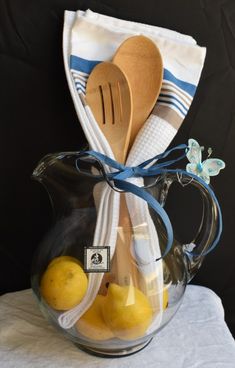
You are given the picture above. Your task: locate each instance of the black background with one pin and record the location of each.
(37, 117)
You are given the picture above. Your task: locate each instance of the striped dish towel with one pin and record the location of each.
(96, 37)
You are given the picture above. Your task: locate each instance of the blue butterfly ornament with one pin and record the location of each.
(203, 169)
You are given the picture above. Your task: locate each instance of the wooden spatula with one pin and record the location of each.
(109, 96)
(141, 61)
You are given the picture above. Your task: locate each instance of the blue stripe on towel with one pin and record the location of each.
(185, 86)
(171, 103)
(82, 65)
(80, 87)
(171, 97)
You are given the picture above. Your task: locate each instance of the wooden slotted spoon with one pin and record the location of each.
(109, 96)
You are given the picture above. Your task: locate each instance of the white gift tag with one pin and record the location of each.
(97, 259)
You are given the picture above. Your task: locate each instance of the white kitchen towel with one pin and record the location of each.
(90, 38)
(96, 37)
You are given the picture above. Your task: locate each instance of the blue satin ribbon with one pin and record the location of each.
(144, 170)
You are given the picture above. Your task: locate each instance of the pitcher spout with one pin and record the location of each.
(39, 170)
(56, 172)
(68, 187)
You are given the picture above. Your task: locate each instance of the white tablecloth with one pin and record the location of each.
(197, 337)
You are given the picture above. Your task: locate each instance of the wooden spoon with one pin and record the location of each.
(141, 61)
(109, 96)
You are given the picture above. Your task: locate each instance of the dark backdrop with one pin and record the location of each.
(37, 117)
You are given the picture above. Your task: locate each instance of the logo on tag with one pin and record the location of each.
(96, 259)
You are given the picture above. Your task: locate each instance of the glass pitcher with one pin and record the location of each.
(98, 274)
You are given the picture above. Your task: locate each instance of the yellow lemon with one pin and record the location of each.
(92, 324)
(63, 285)
(64, 258)
(127, 311)
(165, 298)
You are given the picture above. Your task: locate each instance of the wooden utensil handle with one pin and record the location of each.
(127, 272)
(124, 270)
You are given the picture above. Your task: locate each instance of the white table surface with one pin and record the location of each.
(197, 337)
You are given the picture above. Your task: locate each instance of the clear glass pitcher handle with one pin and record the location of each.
(196, 249)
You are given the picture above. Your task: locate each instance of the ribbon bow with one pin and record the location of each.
(147, 169)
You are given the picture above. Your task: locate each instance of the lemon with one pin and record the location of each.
(64, 258)
(92, 324)
(165, 298)
(127, 311)
(63, 285)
